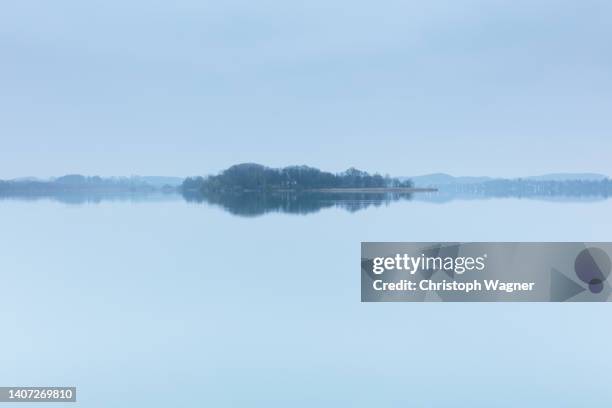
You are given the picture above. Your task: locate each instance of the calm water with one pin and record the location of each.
(159, 302)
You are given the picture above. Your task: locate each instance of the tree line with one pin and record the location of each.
(72, 182)
(255, 177)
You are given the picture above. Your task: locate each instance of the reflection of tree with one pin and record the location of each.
(254, 204)
(88, 197)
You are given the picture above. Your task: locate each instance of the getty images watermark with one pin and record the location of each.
(485, 272)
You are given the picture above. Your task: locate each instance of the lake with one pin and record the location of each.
(161, 300)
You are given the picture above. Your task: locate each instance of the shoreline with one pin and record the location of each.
(336, 190)
(373, 190)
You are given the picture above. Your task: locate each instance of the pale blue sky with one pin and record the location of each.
(186, 87)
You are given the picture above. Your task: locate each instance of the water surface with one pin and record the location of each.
(156, 301)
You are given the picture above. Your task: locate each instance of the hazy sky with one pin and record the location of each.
(187, 87)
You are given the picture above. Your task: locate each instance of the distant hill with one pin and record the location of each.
(153, 181)
(78, 182)
(159, 181)
(569, 176)
(22, 179)
(443, 179)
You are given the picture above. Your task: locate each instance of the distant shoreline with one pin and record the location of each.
(372, 190)
(335, 190)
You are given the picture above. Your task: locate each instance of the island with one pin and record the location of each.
(252, 177)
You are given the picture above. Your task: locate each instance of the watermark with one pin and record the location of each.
(486, 272)
(37, 394)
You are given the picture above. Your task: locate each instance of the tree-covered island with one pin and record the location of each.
(255, 177)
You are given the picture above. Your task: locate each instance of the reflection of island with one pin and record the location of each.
(258, 203)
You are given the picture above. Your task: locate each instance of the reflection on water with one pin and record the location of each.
(159, 300)
(94, 197)
(254, 204)
(250, 204)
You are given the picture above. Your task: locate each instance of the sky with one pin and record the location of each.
(187, 87)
